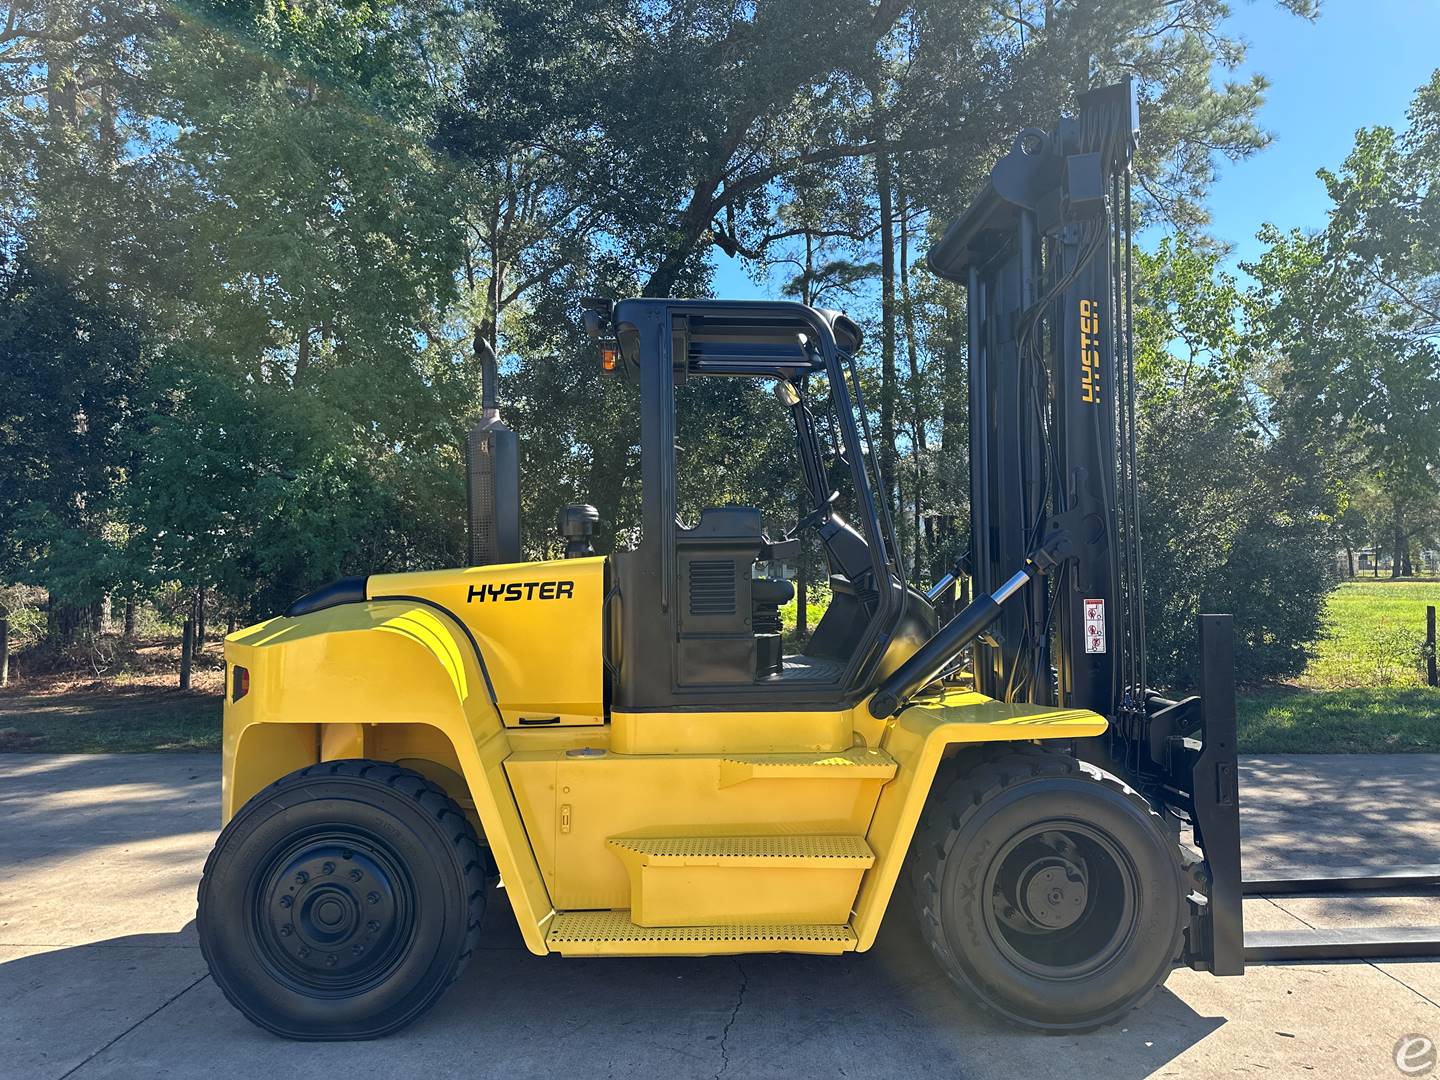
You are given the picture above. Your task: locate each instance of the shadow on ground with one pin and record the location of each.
(97, 854)
(53, 804)
(1339, 810)
(887, 1013)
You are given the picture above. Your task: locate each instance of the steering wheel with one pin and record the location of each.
(815, 517)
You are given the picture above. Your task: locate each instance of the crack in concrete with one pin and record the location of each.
(734, 1013)
(1368, 963)
(153, 1012)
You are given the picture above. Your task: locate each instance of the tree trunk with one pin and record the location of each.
(1399, 553)
(62, 620)
(302, 357)
(802, 585)
(129, 618)
(187, 644)
(912, 351)
(886, 448)
(200, 619)
(1350, 558)
(693, 223)
(4, 651)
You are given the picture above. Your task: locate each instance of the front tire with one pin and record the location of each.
(341, 901)
(1048, 890)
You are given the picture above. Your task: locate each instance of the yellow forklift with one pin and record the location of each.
(627, 742)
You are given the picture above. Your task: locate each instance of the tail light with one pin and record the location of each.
(239, 682)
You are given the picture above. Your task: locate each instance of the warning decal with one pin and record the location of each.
(1094, 626)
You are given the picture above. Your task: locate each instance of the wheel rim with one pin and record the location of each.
(333, 912)
(1060, 900)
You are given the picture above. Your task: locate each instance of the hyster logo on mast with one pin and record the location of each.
(1089, 352)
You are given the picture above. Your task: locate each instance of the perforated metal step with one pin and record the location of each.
(816, 851)
(856, 763)
(611, 933)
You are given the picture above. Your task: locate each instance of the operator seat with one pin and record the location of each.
(767, 595)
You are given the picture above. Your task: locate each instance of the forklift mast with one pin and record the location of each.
(1044, 255)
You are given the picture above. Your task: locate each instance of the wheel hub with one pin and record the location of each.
(1052, 894)
(1060, 899)
(333, 914)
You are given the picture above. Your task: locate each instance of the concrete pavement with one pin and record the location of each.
(100, 974)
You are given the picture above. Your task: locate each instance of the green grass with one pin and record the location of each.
(1387, 720)
(818, 600)
(1376, 629)
(1364, 690)
(120, 718)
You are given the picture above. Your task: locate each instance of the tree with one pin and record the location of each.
(71, 374)
(276, 236)
(1350, 315)
(1236, 509)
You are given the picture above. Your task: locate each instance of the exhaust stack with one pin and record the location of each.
(492, 475)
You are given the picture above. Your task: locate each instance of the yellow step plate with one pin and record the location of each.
(611, 933)
(817, 852)
(742, 880)
(857, 763)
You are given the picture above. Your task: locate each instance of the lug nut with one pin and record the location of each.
(301, 878)
(328, 868)
(356, 875)
(373, 897)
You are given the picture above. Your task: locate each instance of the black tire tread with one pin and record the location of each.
(968, 785)
(432, 800)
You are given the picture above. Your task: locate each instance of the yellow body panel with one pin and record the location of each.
(707, 825)
(574, 806)
(727, 732)
(539, 630)
(917, 740)
(393, 662)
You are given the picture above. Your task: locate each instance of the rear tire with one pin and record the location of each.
(341, 901)
(1048, 890)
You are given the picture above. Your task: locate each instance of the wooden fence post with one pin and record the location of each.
(187, 646)
(1431, 676)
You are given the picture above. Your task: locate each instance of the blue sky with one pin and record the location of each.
(1356, 66)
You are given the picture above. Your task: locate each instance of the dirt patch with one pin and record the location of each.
(109, 695)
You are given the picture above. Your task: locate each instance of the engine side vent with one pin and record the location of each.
(712, 587)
